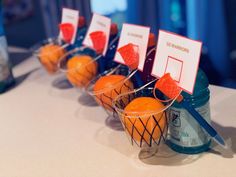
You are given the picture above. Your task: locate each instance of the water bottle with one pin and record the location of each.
(6, 76)
(143, 77)
(113, 43)
(81, 32)
(146, 74)
(185, 134)
(106, 62)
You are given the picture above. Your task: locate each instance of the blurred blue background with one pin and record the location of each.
(211, 21)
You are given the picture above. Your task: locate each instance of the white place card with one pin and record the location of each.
(178, 56)
(137, 35)
(70, 16)
(98, 23)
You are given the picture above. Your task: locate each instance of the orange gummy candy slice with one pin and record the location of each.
(130, 55)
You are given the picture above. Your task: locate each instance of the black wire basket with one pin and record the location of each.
(50, 58)
(80, 76)
(143, 128)
(106, 95)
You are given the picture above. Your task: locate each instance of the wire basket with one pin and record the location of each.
(106, 95)
(144, 128)
(49, 53)
(80, 75)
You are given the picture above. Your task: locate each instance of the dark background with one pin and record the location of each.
(211, 21)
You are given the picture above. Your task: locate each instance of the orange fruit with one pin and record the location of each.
(143, 120)
(81, 70)
(107, 88)
(49, 56)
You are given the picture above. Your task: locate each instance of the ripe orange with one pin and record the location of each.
(142, 117)
(81, 70)
(49, 56)
(107, 88)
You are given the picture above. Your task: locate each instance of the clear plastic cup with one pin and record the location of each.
(79, 75)
(106, 95)
(146, 129)
(49, 53)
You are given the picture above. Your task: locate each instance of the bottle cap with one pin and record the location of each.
(81, 22)
(151, 40)
(114, 29)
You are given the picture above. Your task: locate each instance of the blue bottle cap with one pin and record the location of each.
(201, 93)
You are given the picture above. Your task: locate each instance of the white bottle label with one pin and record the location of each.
(184, 130)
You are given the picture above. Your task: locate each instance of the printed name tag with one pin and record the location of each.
(97, 36)
(178, 56)
(133, 39)
(69, 24)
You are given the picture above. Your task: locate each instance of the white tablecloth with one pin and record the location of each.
(50, 132)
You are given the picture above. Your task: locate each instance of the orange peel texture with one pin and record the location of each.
(81, 70)
(144, 119)
(107, 88)
(49, 56)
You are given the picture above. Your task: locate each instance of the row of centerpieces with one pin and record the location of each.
(126, 92)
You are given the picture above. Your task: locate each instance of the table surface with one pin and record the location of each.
(48, 131)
